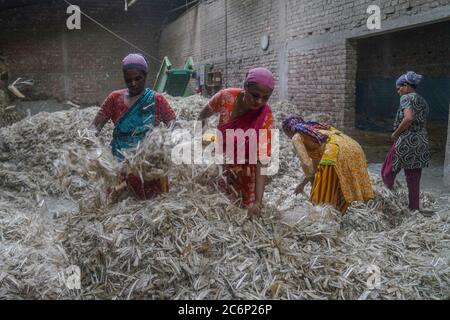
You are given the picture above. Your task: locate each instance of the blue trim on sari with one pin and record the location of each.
(134, 124)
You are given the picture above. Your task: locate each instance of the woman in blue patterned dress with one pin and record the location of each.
(410, 150)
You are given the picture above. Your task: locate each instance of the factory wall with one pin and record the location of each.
(313, 48)
(78, 65)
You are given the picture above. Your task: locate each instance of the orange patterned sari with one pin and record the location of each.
(241, 178)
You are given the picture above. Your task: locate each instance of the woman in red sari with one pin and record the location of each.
(246, 109)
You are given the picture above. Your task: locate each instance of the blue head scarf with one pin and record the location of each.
(410, 78)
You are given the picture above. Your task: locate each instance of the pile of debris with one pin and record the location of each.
(193, 243)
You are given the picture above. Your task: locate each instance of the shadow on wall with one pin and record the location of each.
(378, 97)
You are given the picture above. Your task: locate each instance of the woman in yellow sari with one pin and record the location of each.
(333, 162)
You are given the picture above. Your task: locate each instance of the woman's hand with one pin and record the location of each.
(116, 193)
(405, 124)
(300, 188)
(254, 210)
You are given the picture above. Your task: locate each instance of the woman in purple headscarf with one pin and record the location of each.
(245, 109)
(410, 150)
(135, 111)
(332, 162)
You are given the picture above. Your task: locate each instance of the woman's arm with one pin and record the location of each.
(405, 124)
(166, 112)
(98, 123)
(254, 211)
(214, 105)
(308, 165)
(305, 160)
(206, 113)
(103, 115)
(260, 183)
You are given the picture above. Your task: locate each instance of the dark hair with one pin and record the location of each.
(250, 84)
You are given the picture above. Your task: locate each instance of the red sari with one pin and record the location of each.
(241, 178)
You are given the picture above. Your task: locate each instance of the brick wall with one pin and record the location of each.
(312, 18)
(235, 48)
(311, 44)
(316, 84)
(80, 65)
(426, 51)
(313, 50)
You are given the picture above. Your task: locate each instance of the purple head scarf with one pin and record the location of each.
(261, 76)
(297, 124)
(135, 61)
